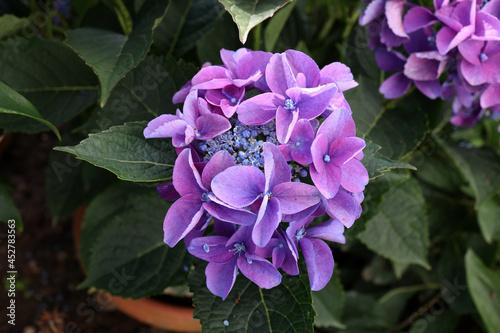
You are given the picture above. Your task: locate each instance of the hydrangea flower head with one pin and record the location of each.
(261, 168)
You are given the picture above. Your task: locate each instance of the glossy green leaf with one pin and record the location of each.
(124, 151)
(480, 168)
(8, 209)
(112, 55)
(51, 76)
(329, 303)
(484, 285)
(399, 231)
(11, 102)
(185, 22)
(377, 164)
(123, 230)
(284, 308)
(276, 25)
(247, 14)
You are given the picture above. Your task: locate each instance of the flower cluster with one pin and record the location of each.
(265, 144)
(450, 50)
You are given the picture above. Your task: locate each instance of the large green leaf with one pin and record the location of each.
(276, 25)
(247, 14)
(8, 209)
(247, 308)
(124, 151)
(123, 229)
(112, 55)
(484, 285)
(184, 24)
(51, 76)
(11, 102)
(329, 303)
(377, 164)
(145, 93)
(399, 231)
(480, 168)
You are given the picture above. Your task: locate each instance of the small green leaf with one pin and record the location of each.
(276, 25)
(329, 303)
(377, 164)
(124, 151)
(399, 231)
(123, 229)
(480, 168)
(11, 102)
(248, 308)
(10, 24)
(8, 209)
(247, 14)
(112, 55)
(484, 285)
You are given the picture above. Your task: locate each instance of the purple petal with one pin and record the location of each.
(259, 270)
(319, 149)
(295, 197)
(312, 101)
(221, 277)
(487, 27)
(389, 61)
(344, 149)
(180, 96)
(338, 124)
(395, 86)
(319, 262)
(425, 66)
(210, 126)
(239, 185)
(231, 215)
(218, 163)
(418, 17)
(186, 178)
(374, 10)
(285, 123)
(167, 191)
(302, 214)
(394, 14)
(491, 96)
(181, 218)
(431, 89)
(327, 182)
(211, 249)
(447, 38)
(340, 74)
(279, 75)
(268, 220)
(260, 109)
(254, 63)
(331, 230)
(388, 37)
(302, 63)
(301, 141)
(354, 176)
(211, 77)
(162, 126)
(276, 168)
(470, 50)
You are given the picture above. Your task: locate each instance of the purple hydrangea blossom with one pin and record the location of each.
(261, 169)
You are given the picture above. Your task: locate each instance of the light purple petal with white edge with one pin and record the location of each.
(319, 262)
(211, 249)
(260, 109)
(276, 168)
(221, 277)
(295, 197)
(186, 178)
(259, 270)
(181, 218)
(218, 163)
(268, 220)
(331, 230)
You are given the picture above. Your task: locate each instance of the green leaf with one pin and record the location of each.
(329, 302)
(284, 308)
(112, 55)
(123, 228)
(377, 164)
(8, 209)
(124, 151)
(276, 25)
(11, 102)
(247, 14)
(184, 24)
(399, 230)
(441, 322)
(484, 285)
(366, 105)
(480, 168)
(145, 93)
(10, 24)
(62, 87)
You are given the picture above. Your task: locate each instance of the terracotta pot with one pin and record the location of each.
(146, 310)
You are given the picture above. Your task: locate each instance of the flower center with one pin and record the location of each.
(300, 233)
(326, 158)
(289, 105)
(483, 57)
(239, 248)
(205, 198)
